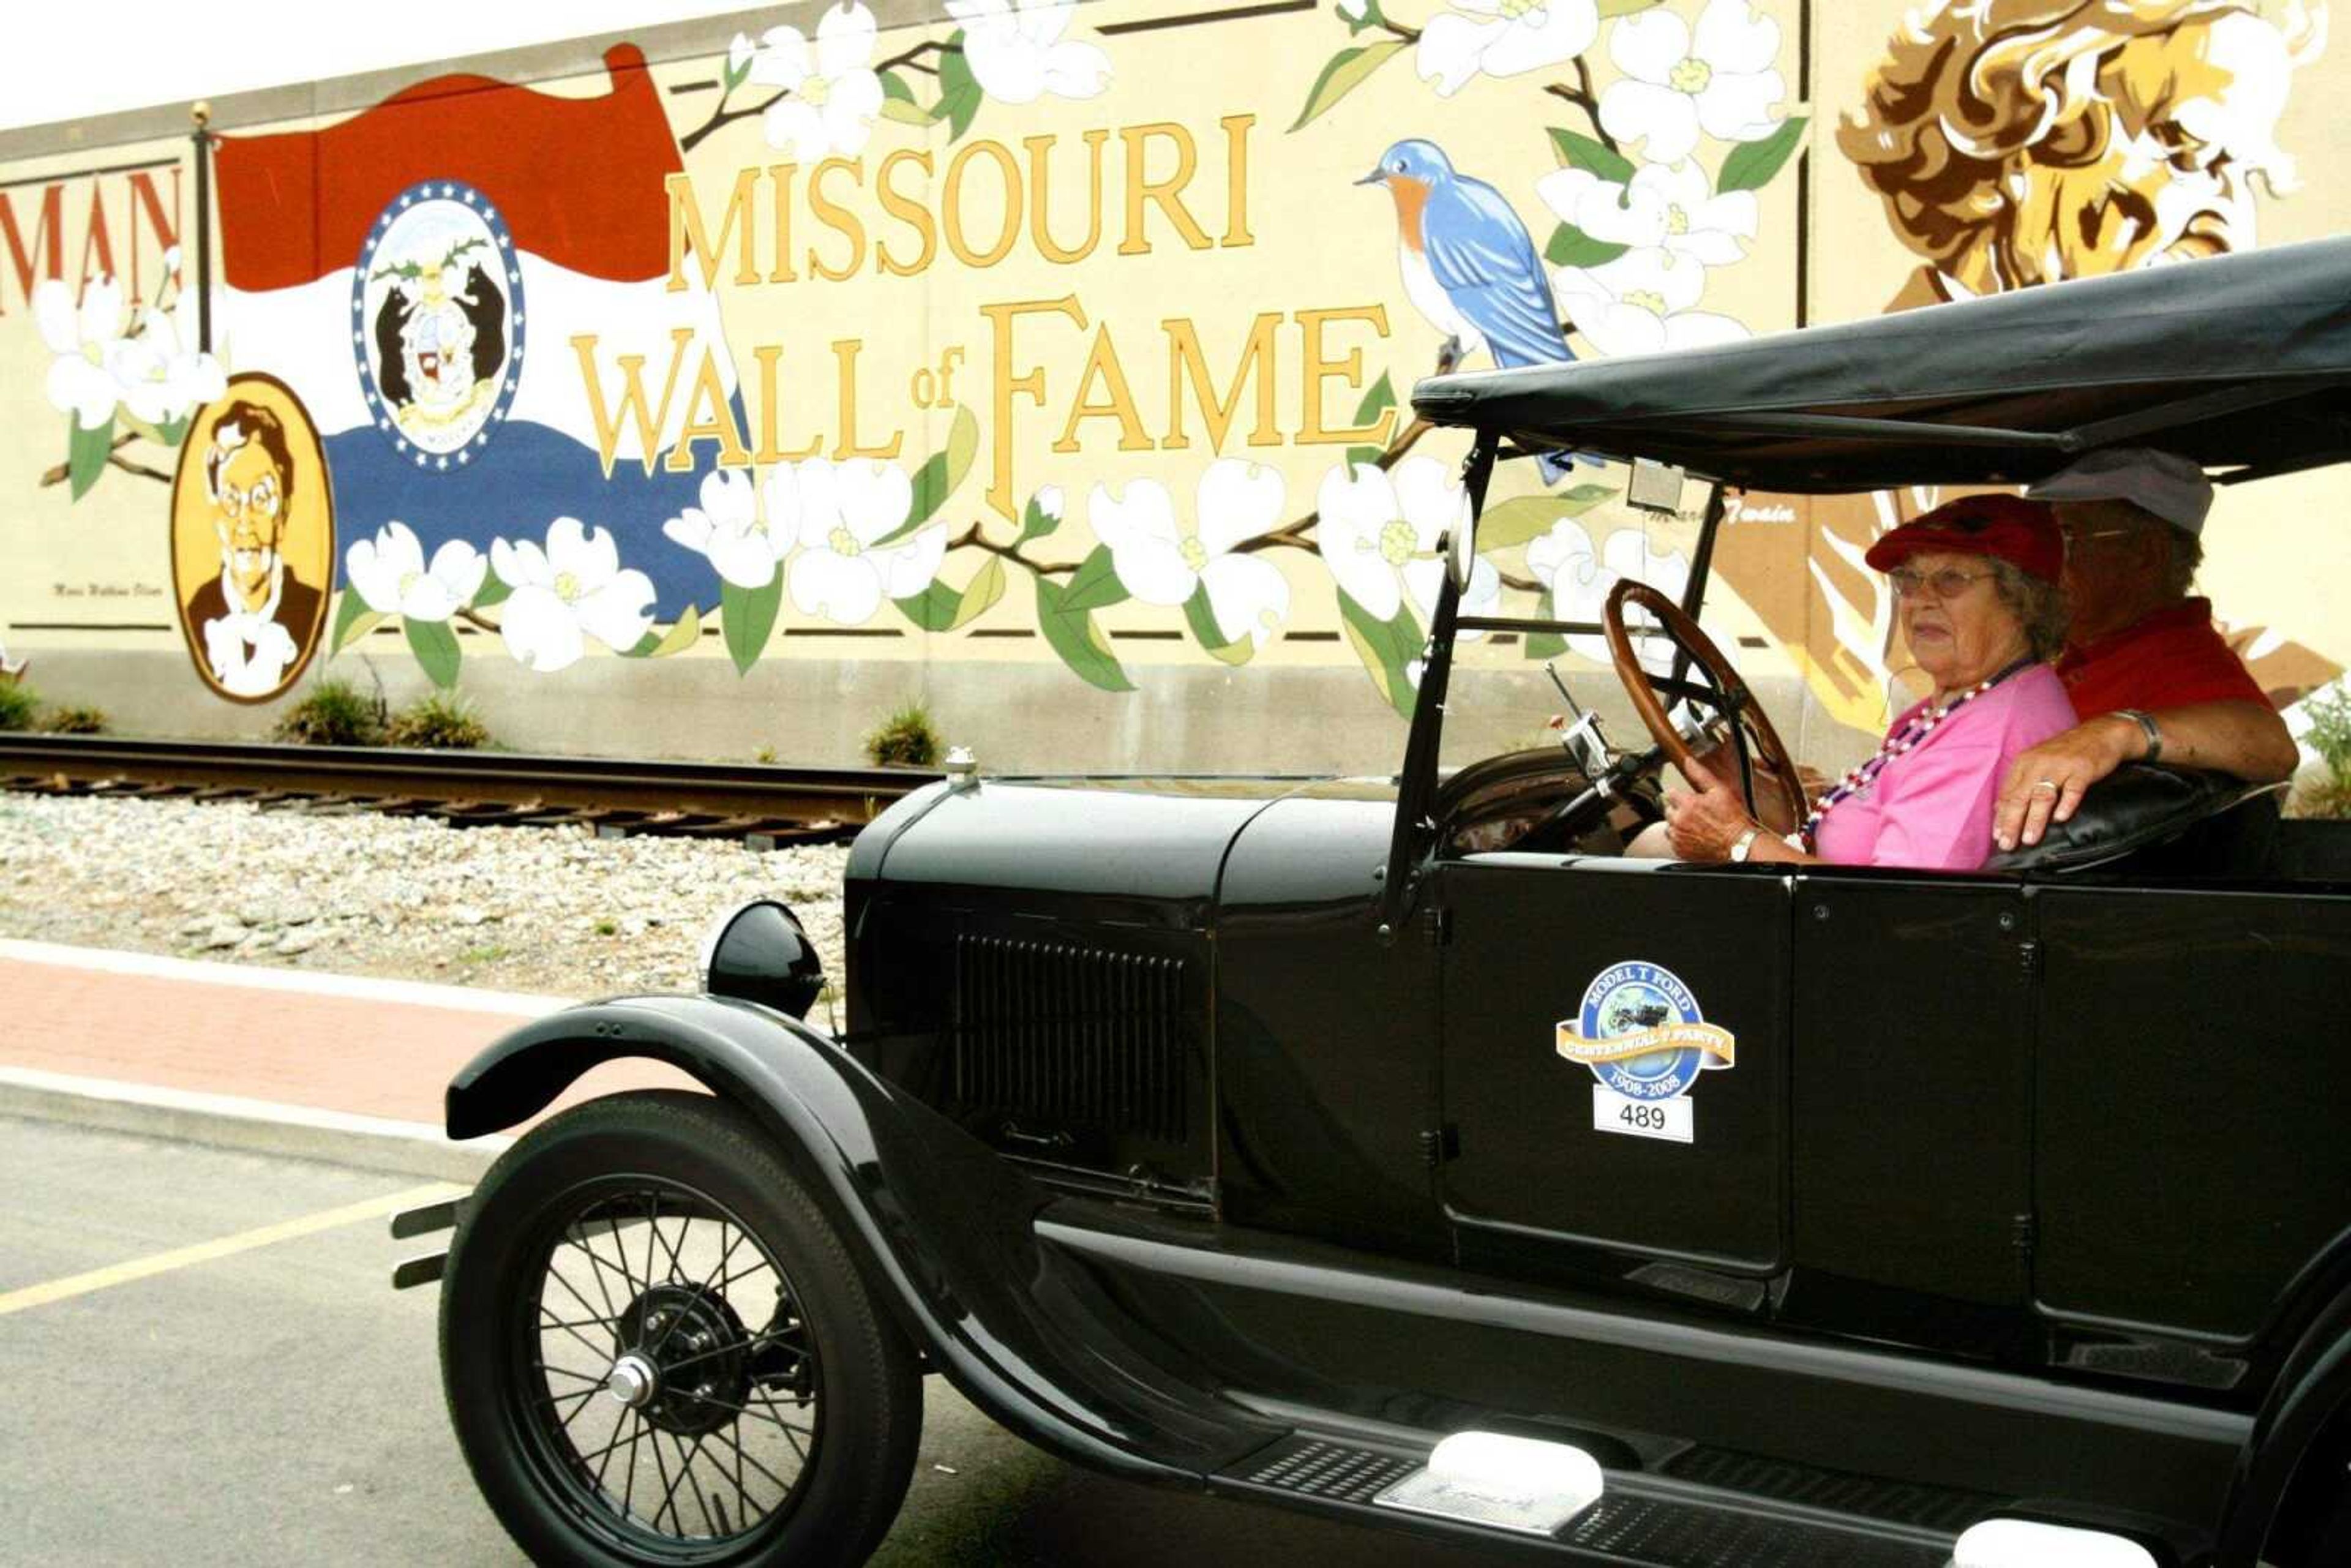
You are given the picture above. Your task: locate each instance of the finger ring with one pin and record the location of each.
(2048, 784)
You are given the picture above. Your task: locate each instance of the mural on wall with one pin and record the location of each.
(540, 427)
(2016, 142)
(1073, 338)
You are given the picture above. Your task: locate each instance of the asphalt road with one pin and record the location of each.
(279, 1403)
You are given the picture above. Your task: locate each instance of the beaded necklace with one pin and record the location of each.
(1907, 738)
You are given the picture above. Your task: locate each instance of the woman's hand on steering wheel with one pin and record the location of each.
(1724, 690)
(1705, 825)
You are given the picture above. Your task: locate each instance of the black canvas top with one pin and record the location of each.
(2240, 362)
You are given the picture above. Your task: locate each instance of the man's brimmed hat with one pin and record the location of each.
(2161, 483)
(2023, 533)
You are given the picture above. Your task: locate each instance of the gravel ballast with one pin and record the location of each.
(550, 910)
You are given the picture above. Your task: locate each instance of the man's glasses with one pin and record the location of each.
(2074, 538)
(1948, 583)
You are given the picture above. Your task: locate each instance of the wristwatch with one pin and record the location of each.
(2145, 722)
(1742, 844)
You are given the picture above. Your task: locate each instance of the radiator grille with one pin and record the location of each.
(1074, 1036)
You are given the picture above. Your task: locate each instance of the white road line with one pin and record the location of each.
(411, 993)
(203, 1104)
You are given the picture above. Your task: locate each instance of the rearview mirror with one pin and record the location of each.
(1461, 549)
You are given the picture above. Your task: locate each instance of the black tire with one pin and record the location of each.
(607, 1182)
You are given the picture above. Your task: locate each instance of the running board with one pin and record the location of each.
(1648, 1519)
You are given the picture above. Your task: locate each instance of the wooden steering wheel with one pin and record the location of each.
(1724, 691)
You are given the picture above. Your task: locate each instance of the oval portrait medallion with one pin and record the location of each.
(253, 540)
(436, 323)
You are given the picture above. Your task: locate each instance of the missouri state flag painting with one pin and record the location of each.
(416, 275)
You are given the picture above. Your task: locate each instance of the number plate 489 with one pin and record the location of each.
(1671, 1120)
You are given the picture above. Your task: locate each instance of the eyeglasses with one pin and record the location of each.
(2074, 538)
(1948, 583)
(261, 499)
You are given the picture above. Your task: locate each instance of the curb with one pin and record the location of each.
(249, 1126)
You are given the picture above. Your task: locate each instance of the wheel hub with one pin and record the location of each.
(682, 1362)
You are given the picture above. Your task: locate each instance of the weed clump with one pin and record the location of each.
(334, 713)
(905, 740)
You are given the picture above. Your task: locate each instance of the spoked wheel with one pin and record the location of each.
(656, 1351)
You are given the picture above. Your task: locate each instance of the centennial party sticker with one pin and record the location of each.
(1641, 1032)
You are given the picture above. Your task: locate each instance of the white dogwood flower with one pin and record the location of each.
(1668, 204)
(839, 513)
(1160, 561)
(1580, 576)
(1641, 303)
(79, 381)
(389, 574)
(1719, 80)
(830, 95)
(160, 381)
(1502, 38)
(1382, 535)
(1017, 55)
(574, 589)
(727, 528)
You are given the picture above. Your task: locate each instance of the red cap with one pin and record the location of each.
(2005, 528)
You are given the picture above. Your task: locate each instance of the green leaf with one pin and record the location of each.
(1571, 246)
(1376, 401)
(1036, 523)
(959, 92)
(1515, 522)
(679, 638)
(1613, 8)
(1545, 644)
(1201, 616)
(898, 103)
(1095, 583)
(1751, 164)
(1371, 455)
(494, 590)
(435, 647)
(1348, 69)
(353, 620)
(172, 432)
(933, 609)
(86, 453)
(1577, 151)
(940, 473)
(737, 75)
(1386, 647)
(643, 647)
(746, 615)
(1373, 16)
(1080, 644)
(979, 596)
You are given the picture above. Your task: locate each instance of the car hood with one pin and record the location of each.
(1143, 838)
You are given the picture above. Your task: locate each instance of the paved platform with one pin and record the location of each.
(276, 1060)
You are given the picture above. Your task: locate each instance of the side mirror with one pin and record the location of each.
(1461, 549)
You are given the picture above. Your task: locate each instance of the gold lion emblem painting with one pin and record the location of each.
(253, 540)
(2023, 142)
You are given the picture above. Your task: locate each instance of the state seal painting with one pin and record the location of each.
(1641, 1033)
(253, 540)
(437, 323)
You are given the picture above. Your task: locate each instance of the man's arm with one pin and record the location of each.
(2246, 739)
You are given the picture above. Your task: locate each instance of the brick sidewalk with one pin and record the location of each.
(318, 1043)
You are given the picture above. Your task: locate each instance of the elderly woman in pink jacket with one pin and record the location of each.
(1981, 614)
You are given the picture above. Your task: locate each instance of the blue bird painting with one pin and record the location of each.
(1469, 264)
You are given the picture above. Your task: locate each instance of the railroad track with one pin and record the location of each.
(768, 804)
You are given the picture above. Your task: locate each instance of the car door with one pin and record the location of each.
(1613, 1064)
(1911, 1114)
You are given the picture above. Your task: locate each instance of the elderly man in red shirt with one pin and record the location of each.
(2148, 673)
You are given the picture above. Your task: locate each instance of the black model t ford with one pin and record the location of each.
(1250, 1136)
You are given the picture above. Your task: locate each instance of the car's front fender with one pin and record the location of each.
(941, 1224)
